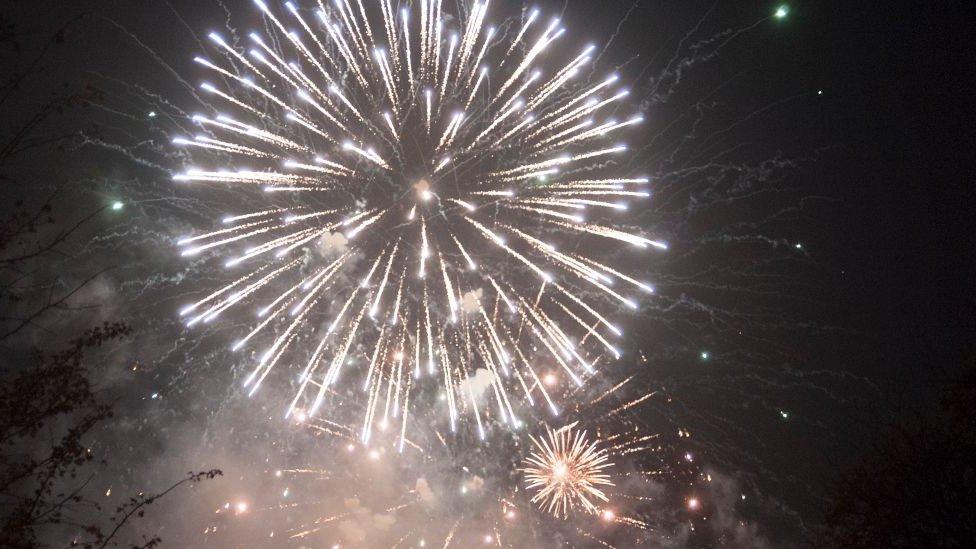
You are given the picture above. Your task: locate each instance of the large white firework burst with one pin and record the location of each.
(416, 174)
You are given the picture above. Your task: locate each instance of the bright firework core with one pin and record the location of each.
(425, 232)
(422, 188)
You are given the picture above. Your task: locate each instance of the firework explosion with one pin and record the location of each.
(425, 181)
(567, 470)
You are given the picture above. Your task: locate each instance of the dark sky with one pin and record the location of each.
(879, 189)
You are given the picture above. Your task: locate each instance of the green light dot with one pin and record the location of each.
(117, 205)
(704, 355)
(782, 12)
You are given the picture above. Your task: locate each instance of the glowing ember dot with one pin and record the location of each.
(351, 447)
(608, 515)
(510, 514)
(278, 473)
(782, 12)
(694, 504)
(374, 455)
(241, 507)
(488, 538)
(300, 417)
(550, 380)
(423, 189)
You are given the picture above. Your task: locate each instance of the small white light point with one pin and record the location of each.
(705, 355)
(422, 187)
(117, 205)
(782, 12)
(694, 504)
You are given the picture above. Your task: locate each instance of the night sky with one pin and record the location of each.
(812, 173)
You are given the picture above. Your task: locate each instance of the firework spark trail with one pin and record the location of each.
(339, 130)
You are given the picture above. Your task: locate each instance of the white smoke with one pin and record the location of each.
(333, 244)
(477, 384)
(361, 521)
(471, 301)
(426, 494)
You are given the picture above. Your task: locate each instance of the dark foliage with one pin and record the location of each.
(917, 488)
(47, 412)
(48, 409)
(31, 239)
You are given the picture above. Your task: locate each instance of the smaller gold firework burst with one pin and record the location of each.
(567, 471)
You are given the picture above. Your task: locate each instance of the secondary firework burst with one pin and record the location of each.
(568, 470)
(426, 195)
